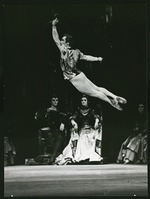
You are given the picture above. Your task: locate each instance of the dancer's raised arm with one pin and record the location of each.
(55, 33)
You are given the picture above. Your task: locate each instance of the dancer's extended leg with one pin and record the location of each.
(108, 93)
(84, 85)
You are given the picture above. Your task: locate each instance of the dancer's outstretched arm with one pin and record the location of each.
(91, 58)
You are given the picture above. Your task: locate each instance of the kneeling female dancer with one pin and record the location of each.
(69, 59)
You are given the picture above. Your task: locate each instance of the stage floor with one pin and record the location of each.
(76, 180)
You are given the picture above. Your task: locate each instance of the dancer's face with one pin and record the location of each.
(54, 101)
(84, 101)
(64, 42)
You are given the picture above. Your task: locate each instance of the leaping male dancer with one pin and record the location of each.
(69, 59)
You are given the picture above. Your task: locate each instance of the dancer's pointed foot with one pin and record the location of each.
(115, 104)
(121, 100)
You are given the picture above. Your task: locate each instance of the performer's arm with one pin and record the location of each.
(74, 124)
(96, 125)
(97, 119)
(73, 120)
(91, 58)
(55, 33)
(62, 127)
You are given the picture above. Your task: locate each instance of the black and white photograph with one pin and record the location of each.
(74, 100)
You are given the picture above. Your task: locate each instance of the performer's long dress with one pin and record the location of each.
(84, 144)
(135, 147)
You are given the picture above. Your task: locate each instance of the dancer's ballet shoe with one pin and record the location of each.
(121, 100)
(116, 105)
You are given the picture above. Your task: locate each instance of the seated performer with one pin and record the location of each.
(53, 128)
(69, 59)
(134, 148)
(9, 152)
(86, 136)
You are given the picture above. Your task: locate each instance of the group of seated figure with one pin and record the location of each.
(83, 143)
(85, 127)
(85, 135)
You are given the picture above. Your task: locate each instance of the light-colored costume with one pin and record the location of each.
(84, 144)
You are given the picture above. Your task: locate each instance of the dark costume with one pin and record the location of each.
(9, 152)
(49, 122)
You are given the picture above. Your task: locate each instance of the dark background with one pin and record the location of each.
(31, 72)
